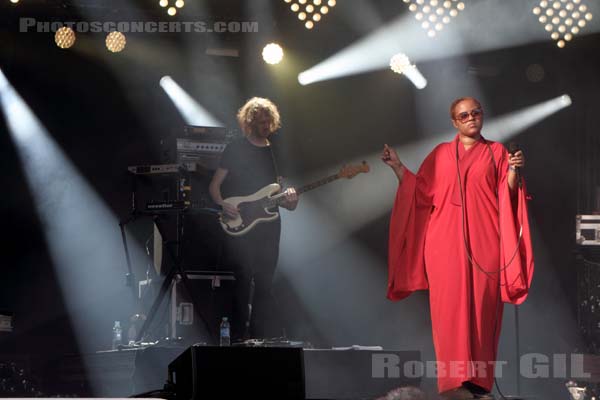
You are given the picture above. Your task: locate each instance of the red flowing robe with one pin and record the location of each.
(427, 250)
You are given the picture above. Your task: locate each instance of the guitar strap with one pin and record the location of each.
(277, 176)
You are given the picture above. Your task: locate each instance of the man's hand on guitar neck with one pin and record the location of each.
(291, 199)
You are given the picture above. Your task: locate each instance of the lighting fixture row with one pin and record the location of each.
(435, 14)
(311, 12)
(563, 19)
(171, 9)
(65, 38)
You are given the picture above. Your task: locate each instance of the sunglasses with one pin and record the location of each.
(464, 116)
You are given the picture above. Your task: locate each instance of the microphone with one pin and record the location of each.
(513, 147)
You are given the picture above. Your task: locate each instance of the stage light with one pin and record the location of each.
(171, 9)
(564, 13)
(115, 41)
(64, 37)
(14, 1)
(272, 53)
(432, 11)
(303, 78)
(400, 64)
(565, 100)
(311, 13)
(191, 111)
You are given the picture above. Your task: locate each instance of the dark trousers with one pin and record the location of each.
(254, 258)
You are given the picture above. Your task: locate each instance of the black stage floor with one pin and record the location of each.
(255, 371)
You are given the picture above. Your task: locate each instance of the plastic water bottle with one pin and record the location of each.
(131, 334)
(225, 332)
(117, 335)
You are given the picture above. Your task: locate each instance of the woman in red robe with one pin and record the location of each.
(459, 228)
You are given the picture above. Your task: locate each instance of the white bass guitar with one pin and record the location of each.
(255, 208)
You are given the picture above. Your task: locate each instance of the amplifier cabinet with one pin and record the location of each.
(587, 230)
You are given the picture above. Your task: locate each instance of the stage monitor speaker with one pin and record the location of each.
(206, 372)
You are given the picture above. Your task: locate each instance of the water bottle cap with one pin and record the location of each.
(117, 323)
(224, 318)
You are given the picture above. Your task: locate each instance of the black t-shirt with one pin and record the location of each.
(249, 168)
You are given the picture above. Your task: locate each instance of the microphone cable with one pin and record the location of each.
(471, 257)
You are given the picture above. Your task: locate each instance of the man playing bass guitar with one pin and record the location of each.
(246, 166)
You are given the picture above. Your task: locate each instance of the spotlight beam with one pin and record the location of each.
(191, 111)
(477, 29)
(368, 54)
(415, 76)
(507, 126)
(81, 232)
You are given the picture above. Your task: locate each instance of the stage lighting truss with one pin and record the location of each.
(563, 19)
(311, 11)
(435, 14)
(171, 6)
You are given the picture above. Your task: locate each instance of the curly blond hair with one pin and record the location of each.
(460, 100)
(246, 115)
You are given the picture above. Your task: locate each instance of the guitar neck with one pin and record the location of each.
(317, 184)
(277, 200)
